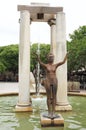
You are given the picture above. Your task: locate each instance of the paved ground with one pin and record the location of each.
(81, 93)
(10, 88)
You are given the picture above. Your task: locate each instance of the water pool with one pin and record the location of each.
(10, 120)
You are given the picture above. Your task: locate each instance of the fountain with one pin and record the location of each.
(55, 17)
(36, 74)
(20, 120)
(74, 120)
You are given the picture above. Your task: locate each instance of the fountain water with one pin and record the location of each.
(74, 120)
(38, 71)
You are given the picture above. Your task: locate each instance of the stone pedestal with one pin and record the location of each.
(46, 122)
(67, 107)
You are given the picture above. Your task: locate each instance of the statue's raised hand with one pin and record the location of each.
(36, 55)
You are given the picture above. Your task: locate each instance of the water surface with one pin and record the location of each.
(10, 120)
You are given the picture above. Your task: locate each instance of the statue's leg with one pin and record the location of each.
(54, 98)
(48, 99)
(48, 93)
(48, 105)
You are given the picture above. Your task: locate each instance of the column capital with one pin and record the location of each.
(52, 21)
(19, 21)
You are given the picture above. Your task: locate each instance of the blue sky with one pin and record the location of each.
(9, 27)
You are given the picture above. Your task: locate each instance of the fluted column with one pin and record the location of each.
(62, 101)
(24, 63)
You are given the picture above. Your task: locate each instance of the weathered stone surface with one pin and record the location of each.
(40, 13)
(22, 108)
(45, 122)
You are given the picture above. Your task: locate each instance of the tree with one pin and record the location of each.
(77, 48)
(9, 58)
(2, 67)
(44, 50)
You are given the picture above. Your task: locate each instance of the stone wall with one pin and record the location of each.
(73, 86)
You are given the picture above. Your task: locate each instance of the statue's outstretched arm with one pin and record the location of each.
(39, 60)
(62, 62)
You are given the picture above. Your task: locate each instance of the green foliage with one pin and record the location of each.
(77, 49)
(44, 50)
(9, 58)
(76, 58)
(2, 67)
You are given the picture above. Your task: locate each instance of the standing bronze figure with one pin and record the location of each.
(51, 82)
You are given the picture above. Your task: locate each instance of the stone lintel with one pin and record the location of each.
(41, 13)
(40, 9)
(47, 122)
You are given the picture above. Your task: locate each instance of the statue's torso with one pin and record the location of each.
(51, 74)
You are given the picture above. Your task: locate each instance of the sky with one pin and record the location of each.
(75, 12)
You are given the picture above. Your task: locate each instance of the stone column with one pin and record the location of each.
(62, 101)
(24, 63)
(52, 23)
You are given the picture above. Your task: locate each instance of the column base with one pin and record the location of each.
(63, 107)
(23, 108)
(46, 122)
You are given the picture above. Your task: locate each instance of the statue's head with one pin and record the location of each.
(50, 57)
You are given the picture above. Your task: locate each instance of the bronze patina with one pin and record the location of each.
(51, 83)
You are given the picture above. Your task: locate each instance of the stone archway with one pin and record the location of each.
(55, 17)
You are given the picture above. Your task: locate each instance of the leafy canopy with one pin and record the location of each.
(77, 49)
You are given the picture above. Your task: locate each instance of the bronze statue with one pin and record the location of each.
(51, 82)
